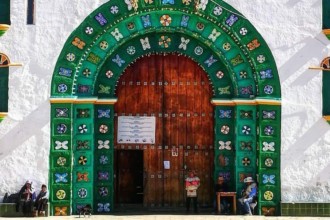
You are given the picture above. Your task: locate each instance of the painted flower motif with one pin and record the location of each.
(114, 9)
(268, 114)
(82, 177)
(62, 88)
(245, 114)
(103, 144)
(226, 46)
(210, 61)
(116, 34)
(104, 45)
(225, 129)
(104, 89)
(269, 130)
(186, 2)
(82, 160)
(231, 20)
(61, 161)
(243, 74)
(89, 30)
(70, 57)
(217, 11)
(268, 89)
(118, 60)
(214, 35)
(220, 74)
(145, 43)
(82, 145)
(82, 193)
(225, 113)
(109, 74)
(103, 175)
(61, 177)
(225, 145)
(201, 5)
(200, 26)
(246, 130)
(131, 50)
(246, 145)
(83, 113)
(132, 4)
(103, 207)
(269, 162)
(243, 31)
(103, 129)
(61, 112)
(87, 72)
(261, 58)
(184, 20)
(61, 128)
(268, 179)
(82, 128)
(130, 26)
(246, 161)
(61, 211)
(184, 43)
(268, 146)
(61, 145)
(164, 41)
(103, 113)
(198, 50)
(60, 194)
(103, 191)
(266, 74)
(268, 195)
(165, 20)
(103, 159)
(146, 21)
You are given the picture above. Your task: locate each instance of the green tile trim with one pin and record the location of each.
(305, 209)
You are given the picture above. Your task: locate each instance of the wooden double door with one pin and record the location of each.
(177, 92)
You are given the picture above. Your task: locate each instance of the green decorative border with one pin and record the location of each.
(221, 40)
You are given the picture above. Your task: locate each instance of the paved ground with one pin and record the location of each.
(176, 217)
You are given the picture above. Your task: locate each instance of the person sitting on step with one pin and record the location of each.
(248, 194)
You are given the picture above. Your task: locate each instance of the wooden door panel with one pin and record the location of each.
(171, 89)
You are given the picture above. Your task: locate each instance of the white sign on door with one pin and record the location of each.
(138, 130)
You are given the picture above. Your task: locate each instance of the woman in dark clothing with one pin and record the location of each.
(42, 200)
(25, 199)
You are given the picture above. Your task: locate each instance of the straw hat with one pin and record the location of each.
(248, 180)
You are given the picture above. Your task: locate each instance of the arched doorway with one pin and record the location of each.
(176, 92)
(237, 61)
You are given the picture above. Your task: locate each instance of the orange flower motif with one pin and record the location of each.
(165, 20)
(61, 211)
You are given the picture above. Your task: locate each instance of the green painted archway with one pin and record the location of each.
(221, 40)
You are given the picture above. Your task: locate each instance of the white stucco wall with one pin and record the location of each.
(292, 29)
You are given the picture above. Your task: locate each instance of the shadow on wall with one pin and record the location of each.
(314, 48)
(28, 127)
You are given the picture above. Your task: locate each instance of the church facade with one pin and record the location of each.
(117, 101)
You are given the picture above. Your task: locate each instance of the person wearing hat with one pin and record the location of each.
(248, 194)
(25, 198)
(222, 186)
(192, 183)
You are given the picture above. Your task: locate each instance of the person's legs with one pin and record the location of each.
(195, 203)
(246, 205)
(188, 203)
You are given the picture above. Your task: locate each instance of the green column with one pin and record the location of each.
(4, 74)
(246, 156)
(5, 12)
(269, 159)
(104, 158)
(60, 159)
(224, 155)
(83, 155)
